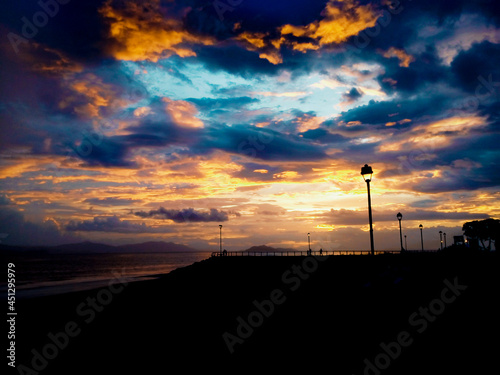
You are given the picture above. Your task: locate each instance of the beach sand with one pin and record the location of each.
(386, 314)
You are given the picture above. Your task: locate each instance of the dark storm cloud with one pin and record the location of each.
(379, 113)
(106, 152)
(324, 136)
(185, 215)
(79, 34)
(111, 224)
(4, 200)
(235, 60)
(20, 231)
(74, 28)
(478, 67)
(152, 131)
(352, 95)
(260, 143)
(424, 71)
(459, 179)
(264, 15)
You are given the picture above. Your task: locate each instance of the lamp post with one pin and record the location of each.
(406, 243)
(220, 240)
(441, 238)
(309, 241)
(445, 246)
(399, 216)
(421, 236)
(367, 173)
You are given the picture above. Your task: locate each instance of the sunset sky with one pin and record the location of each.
(125, 122)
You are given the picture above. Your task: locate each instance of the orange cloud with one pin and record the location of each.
(434, 135)
(140, 32)
(183, 113)
(90, 95)
(342, 19)
(308, 122)
(268, 49)
(404, 59)
(142, 111)
(255, 39)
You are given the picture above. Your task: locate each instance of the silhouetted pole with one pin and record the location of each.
(444, 234)
(399, 216)
(441, 238)
(367, 172)
(220, 240)
(309, 240)
(421, 236)
(406, 243)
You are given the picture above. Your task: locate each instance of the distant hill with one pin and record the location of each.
(88, 247)
(265, 248)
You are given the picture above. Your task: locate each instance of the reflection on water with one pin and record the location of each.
(44, 274)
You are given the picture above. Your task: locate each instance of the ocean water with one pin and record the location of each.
(49, 274)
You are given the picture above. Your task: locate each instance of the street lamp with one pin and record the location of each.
(399, 216)
(220, 240)
(367, 173)
(441, 238)
(421, 236)
(445, 246)
(309, 241)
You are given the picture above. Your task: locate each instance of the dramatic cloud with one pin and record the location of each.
(111, 224)
(401, 55)
(140, 31)
(251, 112)
(16, 230)
(185, 215)
(341, 20)
(352, 95)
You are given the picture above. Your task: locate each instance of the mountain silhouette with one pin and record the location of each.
(265, 248)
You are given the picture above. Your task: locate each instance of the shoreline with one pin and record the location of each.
(55, 274)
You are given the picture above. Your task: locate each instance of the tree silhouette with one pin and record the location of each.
(482, 231)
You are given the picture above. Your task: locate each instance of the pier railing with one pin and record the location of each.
(299, 253)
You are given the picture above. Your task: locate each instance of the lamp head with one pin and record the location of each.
(399, 216)
(420, 226)
(367, 172)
